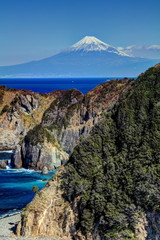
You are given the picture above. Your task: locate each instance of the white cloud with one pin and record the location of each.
(154, 47)
(151, 51)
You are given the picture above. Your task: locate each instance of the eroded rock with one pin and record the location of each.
(45, 171)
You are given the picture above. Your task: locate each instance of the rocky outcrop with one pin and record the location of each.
(27, 103)
(20, 111)
(148, 226)
(44, 171)
(16, 158)
(37, 157)
(153, 225)
(3, 164)
(47, 215)
(70, 116)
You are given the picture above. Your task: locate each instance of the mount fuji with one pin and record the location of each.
(93, 44)
(90, 57)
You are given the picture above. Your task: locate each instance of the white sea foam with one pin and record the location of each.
(20, 170)
(9, 164)
(10, 213)
(9, 151)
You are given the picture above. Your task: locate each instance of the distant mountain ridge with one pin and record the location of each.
(90, 57)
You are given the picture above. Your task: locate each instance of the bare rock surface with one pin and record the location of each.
(47, 215)
(20, 110)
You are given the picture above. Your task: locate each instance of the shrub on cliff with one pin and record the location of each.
(35, 189)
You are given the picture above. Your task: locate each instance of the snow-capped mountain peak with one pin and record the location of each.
(91, 43)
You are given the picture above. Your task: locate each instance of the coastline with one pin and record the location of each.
(19, 191)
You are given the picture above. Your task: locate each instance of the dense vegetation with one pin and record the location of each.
(114, 174)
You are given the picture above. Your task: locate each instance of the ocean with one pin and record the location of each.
(50, 84)
(16, 187)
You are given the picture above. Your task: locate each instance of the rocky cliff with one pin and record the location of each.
(109, 189)
(20, 111)
(69, 116)
(48, 214)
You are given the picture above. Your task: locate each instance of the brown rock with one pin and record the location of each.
(3, 164)
(47, 215)
(45, 171)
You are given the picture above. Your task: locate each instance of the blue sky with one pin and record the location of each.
(33, 29)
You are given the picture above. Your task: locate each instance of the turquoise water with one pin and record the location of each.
(16, 188)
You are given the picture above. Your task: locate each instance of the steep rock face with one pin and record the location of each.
(69, 116)
(20, 110)
(41, 155)
(16, 158)
(111, 183)
(47, 215)
(148, 226)
(153, 226)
